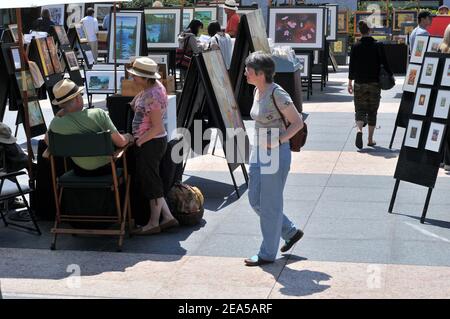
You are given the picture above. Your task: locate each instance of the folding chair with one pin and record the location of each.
(86, 145)
(10, 188)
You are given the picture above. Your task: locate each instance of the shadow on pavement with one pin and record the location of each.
(380, 152)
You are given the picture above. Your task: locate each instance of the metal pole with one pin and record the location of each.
(25, 94)
(114, 50)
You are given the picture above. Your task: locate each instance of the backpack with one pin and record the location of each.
(186, 203)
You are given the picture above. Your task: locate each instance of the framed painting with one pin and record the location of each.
(81, 32)
(187, 17)
(332, 21)
(75, 12)
(71, 60)
(304, 62)
(128, 37)
(44, 55)
(413, 131)
(433, 44)
(257, 29)
(89, 56)
(162, 27)
(400, 38)
(429, 70)
(442, 104)
(435, 136)
(373, 20)
(339, 47)
(56, 13)
(446, 73)
(205, 15)
(421, 101)
(101, 10)
(53, 51)
(14, 32)
(15, 58)
(61, 35)
(342, 23)
(299, 28)
(419, 49)
(402, 16)
(35, 116)
(102, 82)
(223, 90)
(25, 82)
(412, 77)
(407, 27)
(162, 59)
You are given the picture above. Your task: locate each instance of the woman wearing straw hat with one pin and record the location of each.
(149, 107)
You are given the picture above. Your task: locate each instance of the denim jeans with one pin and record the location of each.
(266, 198)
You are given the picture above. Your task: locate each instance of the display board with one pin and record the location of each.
(332, 22)
(423, 145)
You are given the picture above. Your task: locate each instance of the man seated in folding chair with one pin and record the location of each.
(72, 124)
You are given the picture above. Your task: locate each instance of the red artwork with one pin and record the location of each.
(438, 26)
(296, 28)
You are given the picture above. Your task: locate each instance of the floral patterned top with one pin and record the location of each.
(154, 98)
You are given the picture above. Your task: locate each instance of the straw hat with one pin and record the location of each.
(144, 67)
(65, 90)
(5, 134)
(231, 5)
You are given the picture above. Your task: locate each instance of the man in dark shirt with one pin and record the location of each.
(365, 59)
(43, 23)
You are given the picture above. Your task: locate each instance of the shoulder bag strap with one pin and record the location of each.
(278, 109)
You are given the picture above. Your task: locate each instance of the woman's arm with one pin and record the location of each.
(295, 120)
(156, 129)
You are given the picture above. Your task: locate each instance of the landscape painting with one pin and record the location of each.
(35, 116)
(128, 35)
(300, 28)
(162, 27)
(205, 15)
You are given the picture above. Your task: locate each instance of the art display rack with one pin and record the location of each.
(419, 165)
(76, 45)
(198, 102)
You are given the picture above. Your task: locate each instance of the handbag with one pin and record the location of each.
(385, 80)
(297, 141)
(183, 55)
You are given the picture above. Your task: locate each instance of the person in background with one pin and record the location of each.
(220, 41)
(73, 119)
(366, 57)
(188, 38)
(230, 8)
(91, 26)
(268, 178)
(107, 18)
(149, 107)
(44, 23)
(443, 10)
(157, 4)
(424, 18)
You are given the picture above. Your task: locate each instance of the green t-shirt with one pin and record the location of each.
(85, 121)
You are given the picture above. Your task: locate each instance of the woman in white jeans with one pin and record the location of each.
(270, 158)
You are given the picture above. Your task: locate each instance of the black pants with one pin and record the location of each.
(148, 158)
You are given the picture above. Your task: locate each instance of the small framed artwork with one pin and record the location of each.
(402, 16)
(206, 15)
(413, 131)
(15, 56)
(412, 76)
(81, 32)
(89, 57)
(421, 102)
(25, 83)
(101, 10)
(61, 35)
(433, 44)
(442, 105)
(71, 60)
(187, 17)
(419, 49)
(162, 59)
(36, 119)
(304, 60)
(429, 70)
(342, 26)
(299, 28)
(14, 32)
(332, 21)
(53, 52)
(446, 73)
(407, 27)
(434, 138)
(102, 81)
(400, 38)
(162, 27)
(56, 13)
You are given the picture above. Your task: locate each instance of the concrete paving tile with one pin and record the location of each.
(230, 245)
(427, 253)
(348, 210)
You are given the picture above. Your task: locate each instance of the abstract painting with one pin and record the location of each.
(128, 37)
(44, 56)
(300, 28)
(56, 13)
(257, 29)
(162, 27)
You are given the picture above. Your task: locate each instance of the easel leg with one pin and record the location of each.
(393, 136)
(394, 194)
(425, 208)
(244, 171)
(215, 143)
(234, 182)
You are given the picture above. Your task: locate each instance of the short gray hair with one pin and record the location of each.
(262, 62)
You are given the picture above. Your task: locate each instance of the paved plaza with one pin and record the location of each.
(339, 196)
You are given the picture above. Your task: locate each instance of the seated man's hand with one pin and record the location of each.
(129, 138)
